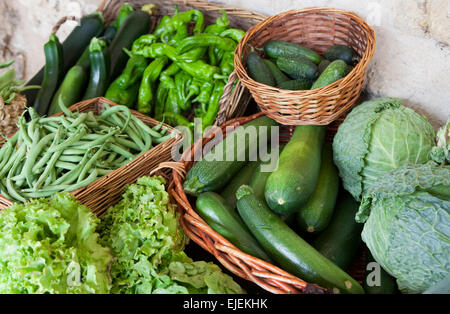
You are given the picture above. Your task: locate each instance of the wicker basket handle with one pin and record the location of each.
(177, 166)
(62, 21)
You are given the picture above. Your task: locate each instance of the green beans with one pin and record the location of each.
(63, 153)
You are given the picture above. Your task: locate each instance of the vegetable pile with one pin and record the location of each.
(291, 66)
(63, 153)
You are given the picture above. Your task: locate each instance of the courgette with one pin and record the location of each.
(316, 214)
(73, 46)
(226, 221)
(135, 25)
(289, 250)
(243, 177)
(217, 167)
(301, 84)
(341, 52)
(100, 67)
(290, 186)
(279, 76)
(380, 282)
(340, 241)
(280, 48)
(298, 67)
(258, 69)
(334, 71)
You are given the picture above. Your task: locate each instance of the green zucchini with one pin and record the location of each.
(316, 214)
(258, 69)
(298, 67)
(290, 186)
(54, 72)
(279, 76)
(100, 67)
(386, 284)
(125, 10)
(226, 221)
(341, 52)
(217, 167)
(135, 25)
(289, 250)
(301, 84)
(334, 71)
(340, 241)
(242, 177)
(71, 89)
(280, 48)
(73, 46)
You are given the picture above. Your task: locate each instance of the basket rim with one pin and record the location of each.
(336, 86)
(279, 280)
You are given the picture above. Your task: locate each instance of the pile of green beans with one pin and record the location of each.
(64, 153)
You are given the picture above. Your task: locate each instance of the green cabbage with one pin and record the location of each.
(50, 246)
(407, 224)
(148, 243)
(377, 136)
(441, 152)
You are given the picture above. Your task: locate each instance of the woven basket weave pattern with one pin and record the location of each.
(317, 29)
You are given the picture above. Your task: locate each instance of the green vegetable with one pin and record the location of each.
(290, 186)
(54, 72)
(333, 72)
(316, 214)
(149, 247)
(213, 171)
(341, 52)
(206, 40)
(301, 84)
(279, 48)
(298, 67)
(377, 136)
(226, 221)
(407, 224)
(213, 105)
(323, 65)
(100, 69)
(133, 71)
(279, 76)
(442, 287)
(126, 97)
(222, 23)
(290, 251)
(441, 151)
(258, 69)
(149, 77)
(125, 10)
(50, 246)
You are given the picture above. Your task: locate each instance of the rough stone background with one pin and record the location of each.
(412, 59)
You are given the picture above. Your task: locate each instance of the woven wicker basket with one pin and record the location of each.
(265, 275)
(106, 191)
(316, 28)
(235, 99)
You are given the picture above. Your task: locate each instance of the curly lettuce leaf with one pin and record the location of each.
(441, 152)
(50, 246)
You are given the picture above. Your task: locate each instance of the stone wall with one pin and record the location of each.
(412, 59)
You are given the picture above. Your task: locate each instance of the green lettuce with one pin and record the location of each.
(148, 243)
(377, 136)
(50, 246)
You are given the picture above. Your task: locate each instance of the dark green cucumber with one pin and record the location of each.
(334, 71)
(290, 186)
(226, 221)
(298, 67)
(242, 177)
(280, 48)
(289, 250)
(340, 241)
(71, 89)
(301, 84)
(258, 69)
(135, 25)
(386, 283)
(341, 52)
(279, 76)
(54, 73)
(217, 167)
(323, 65)
(74, 45)
(100, 67)
(316, 214)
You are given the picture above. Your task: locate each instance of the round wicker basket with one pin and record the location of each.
(265, 275)
(316, 28)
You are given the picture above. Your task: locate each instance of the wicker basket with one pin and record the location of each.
(234, 100)
(265, 275)
(106, 191)
(316, 28)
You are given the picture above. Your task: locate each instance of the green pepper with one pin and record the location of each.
(222, 23)
(166, 75)
(194, 88)
(142, 42)
(233, 33)
(160, 100)
(151, 74)
(172, 102)
(204, 96)
(184, 18)
(213, 106)
(182, 32)
(133, 71)
(206, 40)
(126, 97)
(125, 10)
(161, 26)
(182, 81)
(227, 63)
